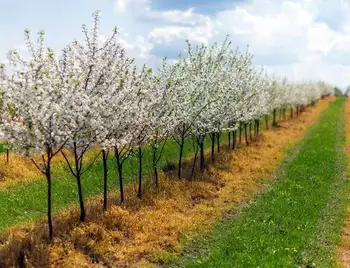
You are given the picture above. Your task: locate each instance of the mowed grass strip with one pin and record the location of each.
(344, 248)
(292, 224)
(27, 201)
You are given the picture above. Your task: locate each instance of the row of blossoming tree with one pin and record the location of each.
(93, 94)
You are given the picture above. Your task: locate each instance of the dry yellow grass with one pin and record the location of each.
(17, 170)
(344, 249)
(133, 234)
(20, 169)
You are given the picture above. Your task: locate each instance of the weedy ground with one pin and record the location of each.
(344, 249)
(23, 189)
(152, 231)
(298, 221)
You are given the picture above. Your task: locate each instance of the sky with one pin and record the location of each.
(302, 40)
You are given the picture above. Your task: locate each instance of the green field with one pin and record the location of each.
(297, 222)
(27, 201)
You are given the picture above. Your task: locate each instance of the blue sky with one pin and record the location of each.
(300, 39)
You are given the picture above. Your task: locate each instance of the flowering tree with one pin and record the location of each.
(164, 86)
(95, 95)
(92, 72)
(34, 118)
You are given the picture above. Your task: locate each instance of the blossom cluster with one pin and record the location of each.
(94, 93)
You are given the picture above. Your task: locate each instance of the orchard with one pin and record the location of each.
(92, 94)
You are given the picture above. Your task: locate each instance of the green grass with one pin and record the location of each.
(27, 201)
(297, 222)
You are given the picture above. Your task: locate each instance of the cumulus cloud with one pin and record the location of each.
(301, 39)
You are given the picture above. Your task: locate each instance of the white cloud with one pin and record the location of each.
(302, 39)
(127, 5)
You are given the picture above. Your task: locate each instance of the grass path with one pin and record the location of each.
(26, 201)
(298, 221)
(344, 248)
(139, 234)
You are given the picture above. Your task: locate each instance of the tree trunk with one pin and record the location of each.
(120, 173)
(246, 134)
(49, 194)
(218, 141)
(240, 133)
(250, 131)
(201, 146)
(274, 123)
(267, 121)
(81, 200)
(291, 112)
(105, 179)
(180, 156)
(212, 137)
(155, 166)
(7, 155)
(229, 139)
(78, 178)
(139, 193)
(234, 140)
(194, 164)
(254, 126)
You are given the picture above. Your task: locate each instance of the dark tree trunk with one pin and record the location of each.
(255, 126)
(274, 123)
(105, 179)
(218, 141)
(212, 137)
(250, 131)
(81, 200)
(291, 112)
(194, 163)
(240, 134)
(120, 173)
(7, 155)
(76, 171)
(246, 134)
(46, 170)
(284, 113)
(78, 178)
(257, 123)
(180, 156)
(229, 139)
(234, 140)
(155, 166)
(139, 193)
(21, 260)
(267, 121)
(201, 146)
(49, 203)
